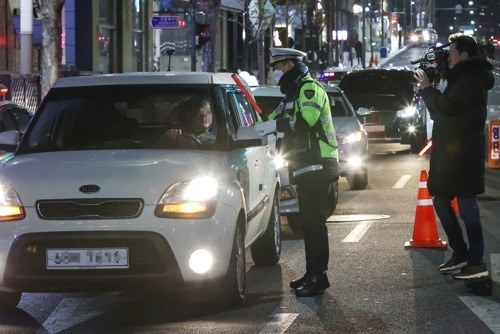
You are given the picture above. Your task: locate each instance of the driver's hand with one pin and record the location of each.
(174, 133)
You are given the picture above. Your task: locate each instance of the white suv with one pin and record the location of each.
(96, 197)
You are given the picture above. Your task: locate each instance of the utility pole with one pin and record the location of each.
(26, 39)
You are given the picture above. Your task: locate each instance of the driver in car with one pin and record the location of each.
(195, 117)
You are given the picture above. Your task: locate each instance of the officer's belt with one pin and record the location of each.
(311, 168)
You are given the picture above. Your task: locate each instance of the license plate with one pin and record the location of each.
(87, 258)
(374, 128)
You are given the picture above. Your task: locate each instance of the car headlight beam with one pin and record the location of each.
(407, 112)
(11, 207)
(191, 198)
(353, 137)
(200, 261)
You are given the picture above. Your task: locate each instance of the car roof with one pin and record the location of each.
(268, 90)
(142, 78)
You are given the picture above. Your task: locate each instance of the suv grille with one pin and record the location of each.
(95, 208)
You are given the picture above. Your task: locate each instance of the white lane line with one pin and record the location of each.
(485, 309)
(488, 309)
(401, 182)
(358, 232)
(495, 273)
(279, 324)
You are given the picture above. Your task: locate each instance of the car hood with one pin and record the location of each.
(119, 174)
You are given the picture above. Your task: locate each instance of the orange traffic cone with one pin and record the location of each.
(371, 62)
(376, 60)
(425, 233)
(454, 205)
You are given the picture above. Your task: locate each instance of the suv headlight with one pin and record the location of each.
(407, 112)
(11, 207)
(192, 198)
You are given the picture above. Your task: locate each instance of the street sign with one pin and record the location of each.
(165, 22)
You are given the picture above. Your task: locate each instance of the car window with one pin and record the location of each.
(243, 109)
(379, 89)
(122, 117)
(338, 105)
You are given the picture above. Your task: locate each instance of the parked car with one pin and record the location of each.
(333, 74)
(351, 137)
(388, 105)
(423, 37)
(13, 118)
(98, 197)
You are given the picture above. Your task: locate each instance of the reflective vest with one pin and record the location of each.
(313, 137)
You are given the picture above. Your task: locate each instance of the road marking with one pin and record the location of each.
(358, 232)
(487, 309)
(353, 218)
(279, 324)
(72, 311)
(401, 182)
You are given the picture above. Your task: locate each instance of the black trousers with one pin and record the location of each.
(315, 208)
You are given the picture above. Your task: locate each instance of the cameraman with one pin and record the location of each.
(457, 160)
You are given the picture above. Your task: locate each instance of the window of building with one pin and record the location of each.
(107, 36)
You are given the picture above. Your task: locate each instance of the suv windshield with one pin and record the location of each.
(123, 117)
(379, 90)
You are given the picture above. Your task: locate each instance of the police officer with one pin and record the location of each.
(310, 147)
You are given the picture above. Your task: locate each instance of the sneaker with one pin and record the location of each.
(469, 272)
(456, 262)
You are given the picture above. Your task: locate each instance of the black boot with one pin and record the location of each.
(298, 282)
(313, 285)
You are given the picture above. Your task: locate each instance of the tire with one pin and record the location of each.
(334, 194)
(359, 181)
(417, 143)
(266, 250)
(9, 300)
(295, 223)
(231, 289)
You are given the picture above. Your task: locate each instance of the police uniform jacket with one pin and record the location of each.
(309, 142)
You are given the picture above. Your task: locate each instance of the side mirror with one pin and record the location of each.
(247, 136)
(9, 140)
(363, 111)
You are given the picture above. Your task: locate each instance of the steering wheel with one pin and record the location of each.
(191, 139)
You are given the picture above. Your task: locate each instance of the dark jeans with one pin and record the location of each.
(469, 212)
(315, 208)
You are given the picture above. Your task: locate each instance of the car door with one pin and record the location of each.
(258, 160)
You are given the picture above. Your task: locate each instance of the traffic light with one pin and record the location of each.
(201, 31)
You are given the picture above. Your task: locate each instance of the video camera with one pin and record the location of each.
(434, 62)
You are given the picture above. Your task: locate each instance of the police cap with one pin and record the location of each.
(280, 54)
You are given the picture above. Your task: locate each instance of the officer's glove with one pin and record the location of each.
(266, 128)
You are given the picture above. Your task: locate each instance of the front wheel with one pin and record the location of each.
(358, 181)
(266, 250)
(295, 223)
(231, 289)
(417, 142)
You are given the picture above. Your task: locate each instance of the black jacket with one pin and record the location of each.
(457, 160)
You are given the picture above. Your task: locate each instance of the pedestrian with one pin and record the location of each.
(346, 53)
(358, 48)
(310, 147)
(457, 161)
